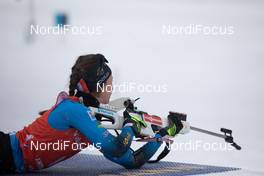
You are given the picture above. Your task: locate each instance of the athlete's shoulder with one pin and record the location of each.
(74, 105)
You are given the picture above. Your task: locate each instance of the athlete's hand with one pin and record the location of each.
(177, 124)
(135, 121)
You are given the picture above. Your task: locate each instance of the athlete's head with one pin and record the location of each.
(90, 75)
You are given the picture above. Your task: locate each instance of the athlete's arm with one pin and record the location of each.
(131, 159)
(75, 115)
(117, 149)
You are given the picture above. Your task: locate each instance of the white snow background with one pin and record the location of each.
(216, 79)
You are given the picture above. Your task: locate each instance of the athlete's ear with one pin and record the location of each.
(104, 95)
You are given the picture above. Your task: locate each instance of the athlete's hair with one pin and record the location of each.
(82, 64)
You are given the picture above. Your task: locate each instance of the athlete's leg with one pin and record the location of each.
(6, 158)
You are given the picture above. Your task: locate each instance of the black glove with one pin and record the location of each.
(175, 124)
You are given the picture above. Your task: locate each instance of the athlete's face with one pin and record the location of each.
(105, 95)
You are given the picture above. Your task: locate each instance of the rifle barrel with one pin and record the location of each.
(207, 132)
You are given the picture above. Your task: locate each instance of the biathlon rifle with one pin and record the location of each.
(108, 115)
